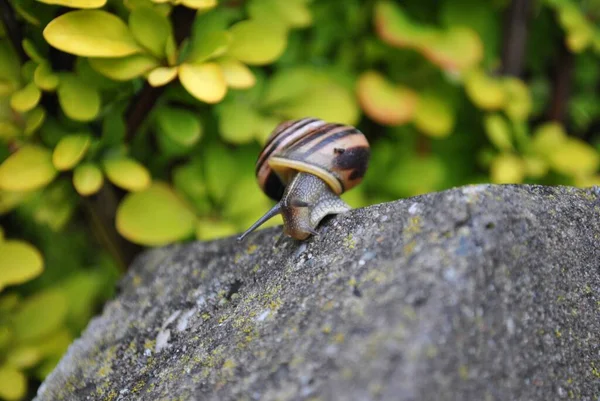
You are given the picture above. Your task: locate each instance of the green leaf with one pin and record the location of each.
(39, 315)
(127, 173)
(13, 383)
(180, 125)
(209, 46)
(205, 82)
(189, 181)
(76, 3)
(32, 51)
(34, 120)
(385, 102)
(151, 29)
(79, 101)
(238, 124)
(87, 179)
(124, 68)
(498, 131)
(70, 150)
(45, 78)
(27, 169)
(434, 116)
(19, 263)
(298, 92)
(91, 33)
(258, 42)
(155, 216)
(10, 68)
(26, 98)
(218, 179)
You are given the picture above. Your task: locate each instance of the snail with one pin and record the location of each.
(305, 165)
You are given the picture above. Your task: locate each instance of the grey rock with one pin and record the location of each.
(475, 293)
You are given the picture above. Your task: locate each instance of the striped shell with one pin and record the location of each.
(336, 153)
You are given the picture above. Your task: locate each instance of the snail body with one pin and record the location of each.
(305, 165)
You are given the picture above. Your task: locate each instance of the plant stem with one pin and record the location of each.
(561, 87)
(516, 22)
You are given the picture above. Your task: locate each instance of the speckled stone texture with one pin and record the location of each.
(476, 293)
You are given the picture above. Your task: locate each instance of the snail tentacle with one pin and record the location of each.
(274, 211)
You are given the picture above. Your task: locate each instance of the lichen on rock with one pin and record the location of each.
(476, 293)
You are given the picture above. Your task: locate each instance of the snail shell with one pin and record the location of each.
(305, 165)
(336, 153)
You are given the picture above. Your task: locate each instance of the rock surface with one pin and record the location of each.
(476, 293)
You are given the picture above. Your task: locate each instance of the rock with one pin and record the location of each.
(476, 293)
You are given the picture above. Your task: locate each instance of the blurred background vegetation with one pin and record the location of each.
(137, 123)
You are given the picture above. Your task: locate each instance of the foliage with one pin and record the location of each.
(138, 122)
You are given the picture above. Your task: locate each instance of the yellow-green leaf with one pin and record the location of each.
(124, 68)
(155, 216)
(237, 75)
(498, 131)
(460, 48)
(384, 102)
(575, 158)
(535, 167)
(45, 78)
(13, 383)
(162, 75)
(330, 103)
(70, 150)
(294, 13)
(9, 200)
(180, 125)
(23, 357)
(91, 33)
(518, 104)
(434, 116)
(26, 98)
(19, 262)
(548, 138)
(87, 179)
(78, 100)
(485, 91)
(76, 3)
(209, 46)
(507, 168)
(210, 229)
(127, 173)
(206, 82)
(8, 130)
(258, 42)
(199, 4)
(27, 169)
(39, 315)
(151, 29)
